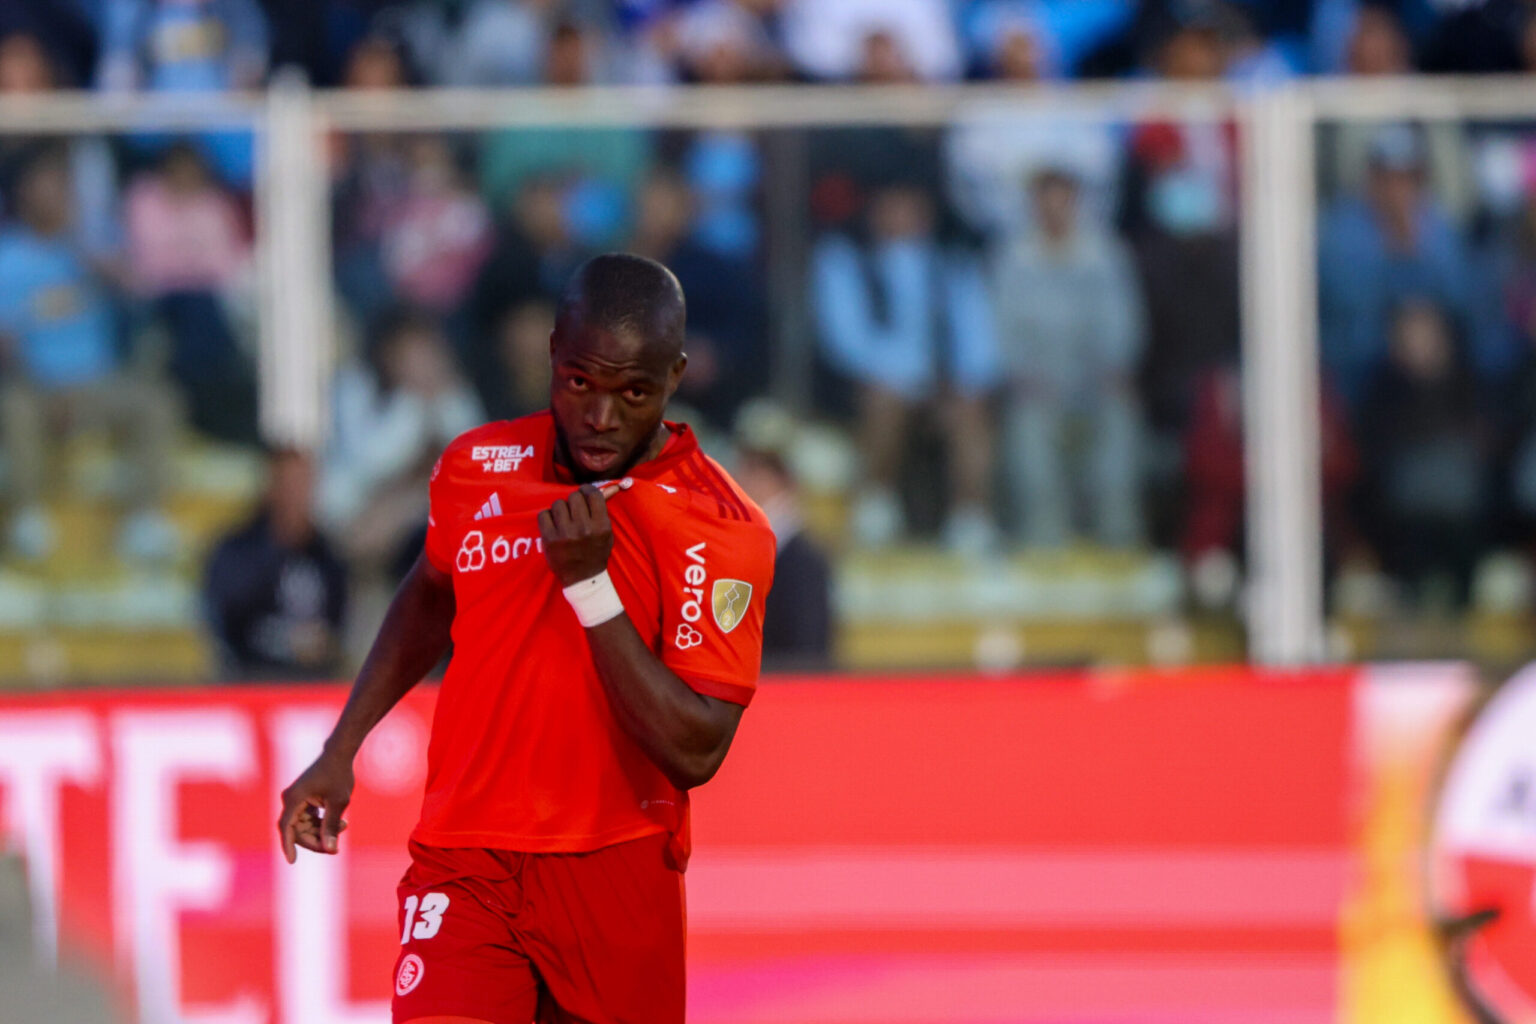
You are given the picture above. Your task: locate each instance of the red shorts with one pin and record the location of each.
(514, 938)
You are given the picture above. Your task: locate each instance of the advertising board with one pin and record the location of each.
(1135, 847)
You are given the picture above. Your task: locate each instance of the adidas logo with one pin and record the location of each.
(491, 508)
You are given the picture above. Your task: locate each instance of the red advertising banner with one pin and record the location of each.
(1081, 847)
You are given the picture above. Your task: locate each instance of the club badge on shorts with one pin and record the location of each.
(409, 974)
(729, 600)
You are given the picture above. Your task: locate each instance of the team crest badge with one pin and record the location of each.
(409, 974)
(729, 600)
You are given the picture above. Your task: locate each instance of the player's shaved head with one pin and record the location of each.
(616, 357)
(625, 295)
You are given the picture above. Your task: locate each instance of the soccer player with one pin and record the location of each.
(602, 582)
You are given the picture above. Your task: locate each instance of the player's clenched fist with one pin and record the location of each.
(577, 533)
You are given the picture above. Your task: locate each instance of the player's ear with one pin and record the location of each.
(675, 373)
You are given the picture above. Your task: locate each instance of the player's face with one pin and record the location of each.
(608, 394)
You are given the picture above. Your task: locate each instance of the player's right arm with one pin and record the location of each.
(414, 637)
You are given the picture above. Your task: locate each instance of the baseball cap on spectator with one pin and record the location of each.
(1397, 147)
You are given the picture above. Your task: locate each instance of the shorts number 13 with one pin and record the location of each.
(427, 914)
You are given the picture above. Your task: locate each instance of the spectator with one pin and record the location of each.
(835, 40)
(188, 46)
(531, 259)
(1244, 40)
(1187, 259)
(188, 251)
(797, 619)
(27, 69)
(1047, 37)
(65, 29)
(180, 46)
(721, 42)
(1248, 55)
(316, 38)
(499, 43)
(1215, 482)
(185, 232)
(1484, 38)
(907, 318)
(724, 170)
(1017, 48)
(1515, 259)
(1186, 253)
(1378, 45)
(274, 590)
(1511, 399)
(374, 63)
(372, 186)
(1191, 47)
(1423, 445)
(596, 169)
(1339, 28)
(394, 416)
(848, 162)
(727, 309)
(1071, 331)
(1377, 249)
(1528, 42)
(1185, 171)
(58, 347)
(630, 38)
(1517, 402)
(439, 234)
(991, 147)
(517, 383)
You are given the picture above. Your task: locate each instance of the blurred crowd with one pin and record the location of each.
(235, 44)
(1028, 329)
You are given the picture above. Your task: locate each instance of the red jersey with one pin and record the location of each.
(526, 753)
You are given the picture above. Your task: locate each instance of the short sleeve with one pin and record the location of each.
(715, 575)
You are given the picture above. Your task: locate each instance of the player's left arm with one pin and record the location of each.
(686, 734)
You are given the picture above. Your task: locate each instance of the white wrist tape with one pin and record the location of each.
(594, 600)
